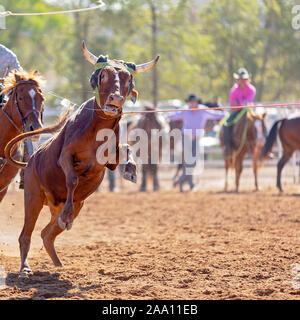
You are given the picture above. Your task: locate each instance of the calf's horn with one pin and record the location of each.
(139, 68)
(88, 55)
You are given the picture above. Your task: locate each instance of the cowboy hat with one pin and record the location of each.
(241, 74)
(192, 97)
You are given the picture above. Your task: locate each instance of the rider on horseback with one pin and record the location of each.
(8, 62)
(241, 94)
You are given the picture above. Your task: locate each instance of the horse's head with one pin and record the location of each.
(26, 98)
(113, 81)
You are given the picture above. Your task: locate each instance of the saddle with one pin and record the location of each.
(236, 129)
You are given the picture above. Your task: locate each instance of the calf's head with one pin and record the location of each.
(113, 81)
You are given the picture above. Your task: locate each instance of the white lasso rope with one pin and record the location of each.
(9, 13)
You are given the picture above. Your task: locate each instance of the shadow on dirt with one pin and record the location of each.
(47, 285)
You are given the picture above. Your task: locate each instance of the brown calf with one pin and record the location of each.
(64, 171)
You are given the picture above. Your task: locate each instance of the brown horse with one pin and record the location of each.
(245, 142)
(148, 122)
(288, 130)
(68, 168)
(22, 112)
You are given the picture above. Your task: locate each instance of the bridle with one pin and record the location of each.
(23, 117)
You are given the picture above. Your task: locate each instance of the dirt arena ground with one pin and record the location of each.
(167, 245)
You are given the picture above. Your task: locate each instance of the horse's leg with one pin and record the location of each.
(3, 193)
(284, 159)
(227, 165)
(238, 169)
(254, 166)
(155, 177)
(34, 200)
(53, 229)
(7, 175)
(144, 178)
(66, 217)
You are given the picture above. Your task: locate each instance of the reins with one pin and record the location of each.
(11, 120)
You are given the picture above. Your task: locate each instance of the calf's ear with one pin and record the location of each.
(134, 95)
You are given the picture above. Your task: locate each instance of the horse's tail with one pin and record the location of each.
(271, 138)
(49, 130)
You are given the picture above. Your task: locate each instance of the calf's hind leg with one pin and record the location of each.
(52, 230)
(66, 217)
(34, 199)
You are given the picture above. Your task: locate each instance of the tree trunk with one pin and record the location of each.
(154, 52)
(81, 31)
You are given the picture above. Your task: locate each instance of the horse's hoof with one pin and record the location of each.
(25, 272)
(61, 224)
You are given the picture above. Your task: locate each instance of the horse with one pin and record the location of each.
(249, 135)
(71, 165)
(288, 131)
(150, 122)
(22, 112)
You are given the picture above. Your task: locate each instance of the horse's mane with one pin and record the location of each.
(17, 75)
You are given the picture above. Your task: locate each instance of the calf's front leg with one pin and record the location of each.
(124, 153)
(130, 166)
(66, 217)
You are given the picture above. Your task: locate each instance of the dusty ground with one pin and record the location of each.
(166, 245)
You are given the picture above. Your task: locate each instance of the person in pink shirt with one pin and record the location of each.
(241, 94)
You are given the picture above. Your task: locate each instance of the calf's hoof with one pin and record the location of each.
(130, 172)
(25, 272)
(131, 177)
(64, 225)
(61, 223)
(69, 225)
